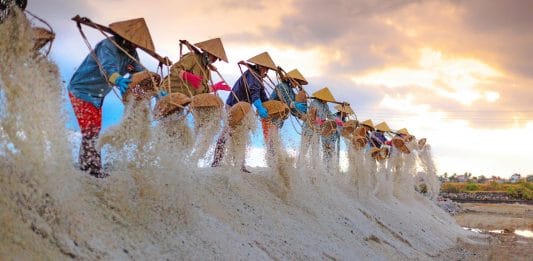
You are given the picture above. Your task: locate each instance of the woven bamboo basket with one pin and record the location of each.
(237, 112)
(379, 154)
(143, 85)
(421, 143)
(374, 152)
(310, 116)
(358, 142)
(408, 138)
(328, 128)
(399, 143)
(277, 110)
(170, 104)
(361, 131)
(41, 37)
(206, 100)
(383, 153)
(348, 128)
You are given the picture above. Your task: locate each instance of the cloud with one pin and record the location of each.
(481, 48)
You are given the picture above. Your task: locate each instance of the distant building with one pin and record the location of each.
(514, 178)
(462, 178)
(495, 179)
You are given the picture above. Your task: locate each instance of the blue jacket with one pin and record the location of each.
(88, 84)
(256, 90)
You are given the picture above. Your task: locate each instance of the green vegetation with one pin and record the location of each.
(524, 190)
(520, 190)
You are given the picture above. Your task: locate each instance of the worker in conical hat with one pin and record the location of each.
(344, 111)
(285, 91)
(249, 88)
(191, 74)
(319, 100)
(377, 137)
(96, 76)
(400, 139)
(368, 125)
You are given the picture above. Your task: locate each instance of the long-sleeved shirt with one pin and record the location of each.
(192, 63)
(255, 90)
(89, 84)
(284, 92)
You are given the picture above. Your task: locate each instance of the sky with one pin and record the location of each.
(458, 73)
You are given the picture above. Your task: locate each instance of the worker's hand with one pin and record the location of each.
(301, 106)
(193, 79)
(263, 113)
(221, 86)
(122, 84)
(339, 122)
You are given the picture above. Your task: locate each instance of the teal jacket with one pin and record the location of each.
(284, 92)
(88, 84)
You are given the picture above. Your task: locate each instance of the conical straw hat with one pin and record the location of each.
(263, 59)
(346, 109)
(368, 123)
(324, 94)
(383, 127)
(403, 131)
(135, 31)
(214, 47)
(295, 74)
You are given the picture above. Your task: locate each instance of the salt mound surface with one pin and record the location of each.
(162, 206)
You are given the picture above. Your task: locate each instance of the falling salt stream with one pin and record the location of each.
(206, 126)
(157, 204)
